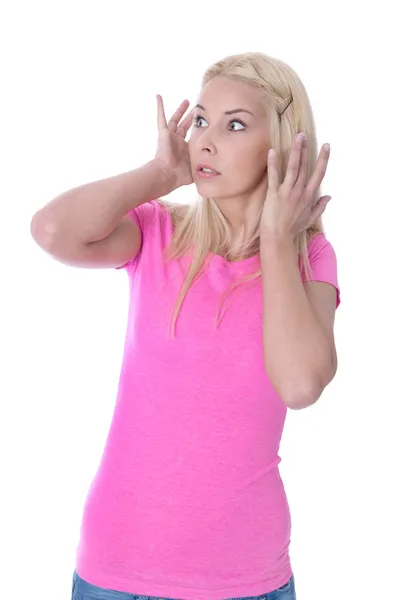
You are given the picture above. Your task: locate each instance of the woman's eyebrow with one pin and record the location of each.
(229, 112)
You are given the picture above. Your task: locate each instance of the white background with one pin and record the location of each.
(78, 104)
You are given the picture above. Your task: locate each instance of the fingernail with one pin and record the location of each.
(327, 147)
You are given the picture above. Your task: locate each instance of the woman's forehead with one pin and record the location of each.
(222, 94)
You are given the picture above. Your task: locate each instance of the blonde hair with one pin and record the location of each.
(201, 228)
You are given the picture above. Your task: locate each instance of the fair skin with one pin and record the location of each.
(297, 325)
(299, 347)
(298, 318)
(235, 145)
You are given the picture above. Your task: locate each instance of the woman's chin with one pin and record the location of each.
(204, 186)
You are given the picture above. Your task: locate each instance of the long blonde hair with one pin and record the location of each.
(201, 228)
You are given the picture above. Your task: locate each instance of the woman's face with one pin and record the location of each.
(229, 135)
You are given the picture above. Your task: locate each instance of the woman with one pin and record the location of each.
(231, 320)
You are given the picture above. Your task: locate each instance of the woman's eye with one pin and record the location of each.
(197, 121)
(234, 124)
(241, 125)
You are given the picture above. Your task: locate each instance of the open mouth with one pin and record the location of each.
(206, 171)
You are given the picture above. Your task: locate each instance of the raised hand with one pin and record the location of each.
(172, 149)
(292, 207)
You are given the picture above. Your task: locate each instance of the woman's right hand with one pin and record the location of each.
(172, 150)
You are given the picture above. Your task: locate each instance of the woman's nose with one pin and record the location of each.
(207, 144)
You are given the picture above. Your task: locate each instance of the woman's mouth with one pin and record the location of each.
(206, 172)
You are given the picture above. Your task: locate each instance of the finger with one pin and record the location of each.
(319, 208)
(319, 173)
(273, 180)
(178, 114)
(185, 125)
(301, 181)
(292, 170)
(299, 190)
(161, 120)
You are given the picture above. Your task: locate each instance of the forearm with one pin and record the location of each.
(296, 351)
(92, 211)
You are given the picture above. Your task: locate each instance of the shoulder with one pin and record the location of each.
(176, 211)
(320, 250)
(317, 242)
(158, 219)
(172, 212)
(157, 210)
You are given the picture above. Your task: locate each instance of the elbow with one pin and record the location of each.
(305, 394)
(42, 230)
(305, 386)
(301, 398)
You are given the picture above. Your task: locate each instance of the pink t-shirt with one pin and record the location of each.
(188, 501)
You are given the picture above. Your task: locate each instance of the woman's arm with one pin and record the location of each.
(87, 226)
(298, 341)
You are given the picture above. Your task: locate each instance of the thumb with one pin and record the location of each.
(319, 208)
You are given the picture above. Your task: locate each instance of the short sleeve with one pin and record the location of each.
(143, 215)
(323, 263)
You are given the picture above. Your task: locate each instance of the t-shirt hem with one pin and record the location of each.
(142, 588)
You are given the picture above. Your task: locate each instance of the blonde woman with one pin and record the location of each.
(231, 321)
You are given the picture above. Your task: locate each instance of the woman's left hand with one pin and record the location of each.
(292, 207)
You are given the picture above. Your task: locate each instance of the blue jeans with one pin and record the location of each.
(81, 590)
